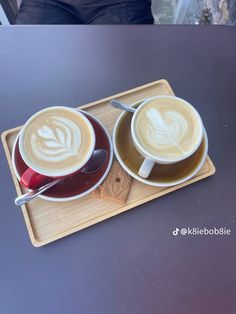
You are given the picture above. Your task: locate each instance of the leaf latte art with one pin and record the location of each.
(58, 141)
(165, 130)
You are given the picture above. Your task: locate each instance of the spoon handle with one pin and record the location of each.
(20, 200)
(117, 104)
(27, 197)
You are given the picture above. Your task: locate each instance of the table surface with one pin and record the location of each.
(131, 263)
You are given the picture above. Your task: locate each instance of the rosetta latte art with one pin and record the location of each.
(57, 140)
(165, 130)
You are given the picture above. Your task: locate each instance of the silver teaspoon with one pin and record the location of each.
(117, 104)
(96, 162)
(27, 197)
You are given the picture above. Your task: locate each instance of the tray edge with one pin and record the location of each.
(28, 223)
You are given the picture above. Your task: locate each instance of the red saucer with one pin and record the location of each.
(81, 183)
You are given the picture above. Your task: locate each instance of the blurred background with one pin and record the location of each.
(164, 11)
(194, 11)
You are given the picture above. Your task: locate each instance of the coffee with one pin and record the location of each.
(57, 141)
(168, 128)
(161, 174)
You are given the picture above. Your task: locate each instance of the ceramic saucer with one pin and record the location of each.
(79, 184)
(161, 175)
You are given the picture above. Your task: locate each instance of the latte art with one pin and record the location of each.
(167, 128)
(57, 141)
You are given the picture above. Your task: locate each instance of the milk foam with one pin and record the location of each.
(166, 129)
(57, 142)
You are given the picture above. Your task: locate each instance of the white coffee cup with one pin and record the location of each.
(149, 158)
(57, 154)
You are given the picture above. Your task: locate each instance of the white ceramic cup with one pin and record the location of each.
(150, 159)
(33, 174)
(73, 196)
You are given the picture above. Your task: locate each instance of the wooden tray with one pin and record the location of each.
(48, 221)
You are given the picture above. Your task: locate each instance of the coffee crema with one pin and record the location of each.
(168, 128)
(57, 141)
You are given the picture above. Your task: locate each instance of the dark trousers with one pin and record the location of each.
(85, 12)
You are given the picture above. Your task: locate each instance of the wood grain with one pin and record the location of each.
(48, 221)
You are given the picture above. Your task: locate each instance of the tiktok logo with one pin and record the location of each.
(176, 231)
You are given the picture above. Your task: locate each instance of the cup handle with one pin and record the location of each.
(146, 168)
(31, 179)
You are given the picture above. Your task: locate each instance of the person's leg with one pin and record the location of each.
(115, 11)
(139, 12)
(46, 12)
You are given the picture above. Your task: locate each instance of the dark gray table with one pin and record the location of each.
(131, 263)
